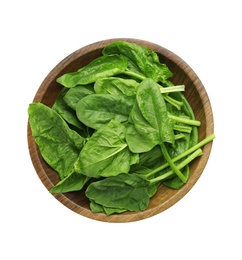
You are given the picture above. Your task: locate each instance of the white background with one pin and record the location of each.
(35, 36)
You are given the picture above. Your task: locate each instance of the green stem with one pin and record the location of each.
(190, 158)
(179, 136)
(184, 154)
(184, 120)
(162, 89)
(171, 89)
(170, 100)
(182, 128)
(177, 104)
(135, 75)
(171, 163)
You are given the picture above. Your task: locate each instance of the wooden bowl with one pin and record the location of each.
(194, 92)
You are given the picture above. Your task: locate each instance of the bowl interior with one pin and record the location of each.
(194, 92)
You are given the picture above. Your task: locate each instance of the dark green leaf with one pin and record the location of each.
(153, 108)
(150, 124)
(140, 139)
(116, 86)
(73, 182)
(146, 60)
(73, 95)
(59, 145)
(97, 208)
(98, 109)
(106, 153)
(175, 182)
(65, 111)
(152, 158)
(104, 66)
(124, 191)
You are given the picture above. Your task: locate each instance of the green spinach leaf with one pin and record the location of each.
(154, 112)
(104, 66)
(73, 95)
(106, 153)
(124, 191)
(153, 108)
(73, 182)
(98, 109)
(116, 86)
(97, 208)
(65, 111)
(59, 145)
(150, 124)
(141, 60)
(175, 182)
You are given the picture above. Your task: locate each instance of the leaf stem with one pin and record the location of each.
(163, 90)
(177, 104)
(171, 163)
(184, 120)
(171, 89)
(185, 162)
(135, 75)
(179, 136)
(184, 154)
(182, 128)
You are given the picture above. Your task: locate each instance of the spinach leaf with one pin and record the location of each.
(151, 159)
(116, 86)
(97, 208)
(59, 145)
(124, 191)
(154, 112)
(106, 153)
(98, 109)
(73, 95)
(65, 111)
(153, 108)
(140, 136)
(150, 124)
(73, 182)
(141, 60)
(147, 159)
(104, 66)
(175, 182)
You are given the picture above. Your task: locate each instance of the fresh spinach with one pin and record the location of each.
(132, 192)
(106, 153)
(141, 59)
(96, 110)
(65, 111)
(73, 182)
(59, 145)
(119, 129)
(152, 109)
(124, 191)
(74, 95)
(97, 208)
(104, 66)
(116, 86)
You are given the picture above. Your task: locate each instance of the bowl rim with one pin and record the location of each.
(128, 216)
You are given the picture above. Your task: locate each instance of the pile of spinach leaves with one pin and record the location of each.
(118, 129)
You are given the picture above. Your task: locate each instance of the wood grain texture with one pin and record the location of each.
(196, 95)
